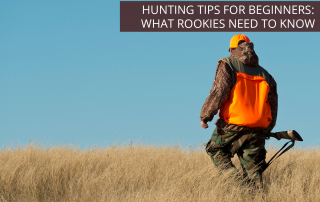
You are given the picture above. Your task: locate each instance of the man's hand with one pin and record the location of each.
(204, 125)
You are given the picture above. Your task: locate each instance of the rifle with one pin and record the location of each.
(289, 135)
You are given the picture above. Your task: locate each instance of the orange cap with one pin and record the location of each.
(236, 38)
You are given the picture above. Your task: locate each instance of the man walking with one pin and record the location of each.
(246, 95)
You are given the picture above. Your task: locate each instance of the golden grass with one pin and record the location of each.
(147, 173)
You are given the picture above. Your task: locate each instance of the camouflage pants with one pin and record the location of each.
(248, 145)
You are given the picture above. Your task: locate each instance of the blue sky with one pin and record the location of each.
(69, 76)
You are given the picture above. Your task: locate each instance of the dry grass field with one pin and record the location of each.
(147, 173)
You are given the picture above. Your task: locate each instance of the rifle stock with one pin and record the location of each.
(289, 135)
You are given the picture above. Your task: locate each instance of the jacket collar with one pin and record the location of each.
(246, 54)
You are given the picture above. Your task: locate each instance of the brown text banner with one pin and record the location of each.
(219, 16)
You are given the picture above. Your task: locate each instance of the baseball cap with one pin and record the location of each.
(235, 40)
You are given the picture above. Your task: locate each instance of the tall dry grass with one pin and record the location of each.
(147, 173)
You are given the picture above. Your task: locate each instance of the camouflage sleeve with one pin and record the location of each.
(273, 101)
(220, 91)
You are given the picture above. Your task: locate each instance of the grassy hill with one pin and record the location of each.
(147, 173)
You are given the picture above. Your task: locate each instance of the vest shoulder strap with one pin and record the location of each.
(237, 66)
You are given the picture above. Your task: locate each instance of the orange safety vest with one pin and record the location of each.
(248, 103)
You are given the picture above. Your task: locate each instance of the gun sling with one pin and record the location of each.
(275, 156)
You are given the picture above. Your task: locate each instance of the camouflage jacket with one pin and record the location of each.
(222, 86)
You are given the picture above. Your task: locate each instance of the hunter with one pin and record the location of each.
(246, 95)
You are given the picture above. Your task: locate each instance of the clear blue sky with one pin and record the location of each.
(69, 76)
